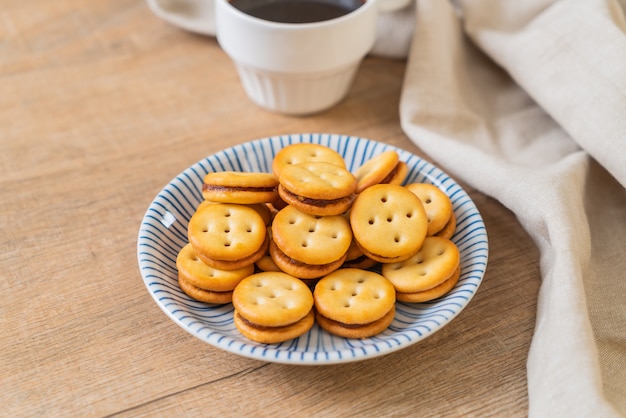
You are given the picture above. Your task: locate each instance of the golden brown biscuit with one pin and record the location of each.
(398, 174)
(309, 273)
(309, 238)
(203, 276)
(388, 222)
(228, 236)
(449, 229)
(356, 259)
(262, 209)
(354, 303)
(360, 331)
(303, 153)
(317, 188)
(431, 294)
(204, 295)
(240, 263)
(434, 263)
(271, 307)
(436, 203)
(273, 335)
(384, 168)
(266, 263)
(309, 246)
(240, 187)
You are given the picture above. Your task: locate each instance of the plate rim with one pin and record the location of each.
(260, 352)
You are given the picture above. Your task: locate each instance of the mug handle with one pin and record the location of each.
(391, 5)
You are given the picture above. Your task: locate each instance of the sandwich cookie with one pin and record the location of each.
(262, 209)
(356, 259)
(205, 283)
(228, 236)
(449, 229)
(384, 168)
(271, 307)
(431, 294)
(308, 246)
(436, 203)
(388, 222)
(304, 153)
(354, 303)
(420, 277)
(317, 188)
(240, 187)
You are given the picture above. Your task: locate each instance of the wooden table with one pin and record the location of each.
(101, 104)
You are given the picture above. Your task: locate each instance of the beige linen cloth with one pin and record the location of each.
(525, 100)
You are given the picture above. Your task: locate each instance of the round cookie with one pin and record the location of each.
(305, 152)
(203, 276)
(317, 188)
(434, 263)
(309, 246)
(436, 203)
(449, 228)
(271, 307)
(388, 222)
(383, 168)
(311, 239)
(228, 236)
(309, 273)
(431, 294)
(204, 295)
(240, 187)
(398, 174)
(354, 303)
(360, 331)
(262, 209)
(273, 335)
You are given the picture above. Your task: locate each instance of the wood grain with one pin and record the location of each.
(102, 104)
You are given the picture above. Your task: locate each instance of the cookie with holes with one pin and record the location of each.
(436, 203)
(389, 223)
(228, 236)
(433, 293)
(318, 188)
(354, 303)
(437, 261)
(304, 153)
(240, 187)
(383, 168)
(205, 283)
(309, 246)
(262, 209)
(272, 307)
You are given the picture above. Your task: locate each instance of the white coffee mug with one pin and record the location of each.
(298, 68)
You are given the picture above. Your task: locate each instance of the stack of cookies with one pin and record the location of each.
(312, 242)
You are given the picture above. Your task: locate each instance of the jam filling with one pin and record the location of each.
(256, 326)
(208, 187)
(316, 202)
(390, 176)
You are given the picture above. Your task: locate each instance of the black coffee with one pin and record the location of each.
(297, 11)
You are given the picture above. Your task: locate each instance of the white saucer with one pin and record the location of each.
(192, 15)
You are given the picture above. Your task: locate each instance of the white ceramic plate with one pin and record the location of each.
(193, 15)
(163, 232)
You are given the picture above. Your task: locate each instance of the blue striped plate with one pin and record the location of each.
(163, 232)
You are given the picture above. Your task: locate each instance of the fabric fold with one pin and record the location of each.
(505, 96)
